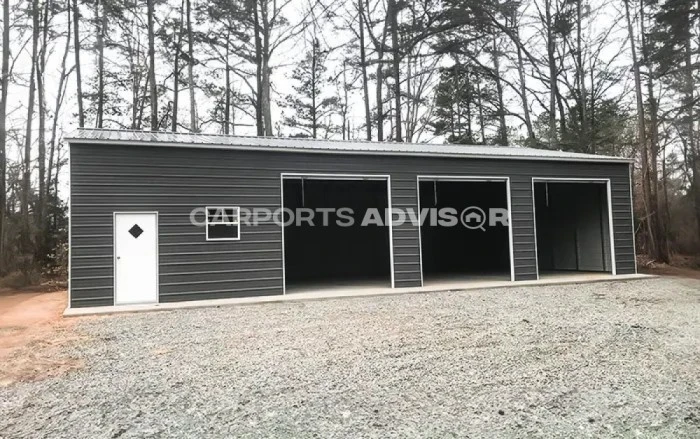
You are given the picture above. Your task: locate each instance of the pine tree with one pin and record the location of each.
(460, 100)
(312, 111)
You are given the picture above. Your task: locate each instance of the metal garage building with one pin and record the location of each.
(164, 217)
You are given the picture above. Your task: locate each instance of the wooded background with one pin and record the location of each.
(603, 77)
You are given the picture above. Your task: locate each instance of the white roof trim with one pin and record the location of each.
(207, 141)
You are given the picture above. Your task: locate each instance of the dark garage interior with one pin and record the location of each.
(459, 253)
(336, 256)
(572, 227)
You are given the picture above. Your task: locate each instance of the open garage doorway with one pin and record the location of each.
(573, 227)
(343, 253)
(475, 248)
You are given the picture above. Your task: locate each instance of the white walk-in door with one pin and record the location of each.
(136, 258)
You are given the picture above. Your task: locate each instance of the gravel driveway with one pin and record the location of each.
(603, 359)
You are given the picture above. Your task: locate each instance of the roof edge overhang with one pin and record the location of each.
(291, 149)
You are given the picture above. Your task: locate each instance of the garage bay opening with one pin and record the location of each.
(572, 227)
(337, 255)
(477, 247)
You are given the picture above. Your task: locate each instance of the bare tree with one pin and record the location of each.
(176, 70)
(26, 177)
(419, 81)
(363, 67)
(60, 97)
(392, 13)
(649, 206)
(41, 158)
(259, 122)
(522, 79)
(4, 83)
(380, 48)
(502, 127)
(190, 68)
(78, 75)
(553, 74)
(101, 24)
(660, 251)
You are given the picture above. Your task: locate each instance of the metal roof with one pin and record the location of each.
(217, 141)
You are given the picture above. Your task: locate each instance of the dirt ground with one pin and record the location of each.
(32, 331)
(680, 266)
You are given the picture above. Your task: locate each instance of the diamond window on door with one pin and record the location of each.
(136, 231)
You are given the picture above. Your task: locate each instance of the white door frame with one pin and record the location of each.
(114, 251)
(468, 178)
(339, 177)
(606, 182)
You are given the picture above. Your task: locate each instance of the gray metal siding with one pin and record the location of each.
(173, 181)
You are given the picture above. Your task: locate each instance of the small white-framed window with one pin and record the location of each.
(223, 223)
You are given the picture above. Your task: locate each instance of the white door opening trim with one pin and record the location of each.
(339, 177)
(606, 182)
(476, 179)
(115, 257)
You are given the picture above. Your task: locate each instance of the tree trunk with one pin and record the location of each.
(314, 121)
(363, 66)
(143, 102)
(152, 67)
(470, 97)
(135, 85)
(503, 129)
(456, 113)
(60, 94)
(266, 73)
(190, 68)
(391, 119)
(562, 113)
(664, 185)
(266, 96)
(641, 129)
(523, 96)
(481, 110)
(380, 102)
(690, 99)
(259, 122)
(176, 89)
(409, 104)
(346, 123)
(233, 115)
(552, 76)
(100, 22)
(696, 151)
(40, 219)
(591, 118)
(78, 75)
(656, 216)
(581, 80)
(4, 83)
(396, 64)
(176, 73)
(26, 178)
(227, 98)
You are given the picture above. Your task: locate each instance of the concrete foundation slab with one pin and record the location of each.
(340, 291)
